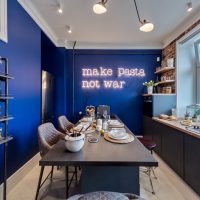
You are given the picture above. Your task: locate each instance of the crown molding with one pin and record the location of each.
(182, 28)
(87, 45)
(36, 16)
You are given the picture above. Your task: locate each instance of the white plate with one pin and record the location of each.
(118, 134)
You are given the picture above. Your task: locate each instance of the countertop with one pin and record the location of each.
(177, 125)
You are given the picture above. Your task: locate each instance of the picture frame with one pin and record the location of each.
(3, 21)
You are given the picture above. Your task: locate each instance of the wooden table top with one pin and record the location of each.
(102, 153)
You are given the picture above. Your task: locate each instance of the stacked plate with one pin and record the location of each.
(115, 124)
(118, 134)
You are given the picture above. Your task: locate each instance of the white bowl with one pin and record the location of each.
(74, 144)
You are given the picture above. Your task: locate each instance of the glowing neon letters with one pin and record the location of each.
(108, 72)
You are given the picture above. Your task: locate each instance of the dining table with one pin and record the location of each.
(105, 166)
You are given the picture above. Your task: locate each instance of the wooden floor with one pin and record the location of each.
(168, 186)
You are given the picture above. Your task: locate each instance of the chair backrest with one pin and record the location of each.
(48, 136)
(64, 124)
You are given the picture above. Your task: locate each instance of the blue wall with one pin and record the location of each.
(54, 61)
(24, 53)
(126, 102)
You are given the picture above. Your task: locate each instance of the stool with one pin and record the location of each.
(150, 145)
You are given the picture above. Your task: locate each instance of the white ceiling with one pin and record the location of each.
(118, 28)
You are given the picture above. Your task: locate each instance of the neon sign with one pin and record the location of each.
(102, 72)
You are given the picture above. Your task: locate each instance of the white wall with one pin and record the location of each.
(186, 75)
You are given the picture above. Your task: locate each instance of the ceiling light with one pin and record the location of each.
(60, 10)
(100, 8)
(69, 30)
(145, 25)
(189, 6)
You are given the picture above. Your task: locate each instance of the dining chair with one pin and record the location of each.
(48, 136)
(150, 145)
(64, 124)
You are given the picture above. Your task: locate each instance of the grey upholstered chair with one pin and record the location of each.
(105, 196)
(48, 136)
(64, 124)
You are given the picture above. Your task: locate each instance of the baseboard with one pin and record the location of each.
(20, 174)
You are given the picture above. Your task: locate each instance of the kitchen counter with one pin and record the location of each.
(177, 125)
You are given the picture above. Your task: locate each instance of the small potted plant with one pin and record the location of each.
(149, 86)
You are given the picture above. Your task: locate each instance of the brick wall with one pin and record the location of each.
(170, 50)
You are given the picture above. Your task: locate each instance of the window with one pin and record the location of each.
(197, 54)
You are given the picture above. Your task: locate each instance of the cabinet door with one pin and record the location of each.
(172, 148)
(148, 127)
(192, 162)
(157, 136)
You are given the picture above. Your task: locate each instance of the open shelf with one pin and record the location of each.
(165, 82)
(4, 76)
(5, 118)
(164, 69)
(154, 94)
(5, 140)
(4, 97)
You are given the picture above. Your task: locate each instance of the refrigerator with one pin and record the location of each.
(47, 97)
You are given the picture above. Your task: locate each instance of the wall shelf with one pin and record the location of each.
(158, 94)
(5, 140)
(164, 69)
(165, 82)
(4, 97)
(4, 77)
(5, 118)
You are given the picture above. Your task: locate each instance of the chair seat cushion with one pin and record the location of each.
(149, 144)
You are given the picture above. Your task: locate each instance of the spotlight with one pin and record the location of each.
(60, 10)
(69, 30)
(189, 6)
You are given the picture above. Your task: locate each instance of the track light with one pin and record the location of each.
(60, 10)
(189, 6)
(145, 25)
(69, 30)
(100, 8)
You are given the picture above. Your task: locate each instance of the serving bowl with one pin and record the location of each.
(74, 142)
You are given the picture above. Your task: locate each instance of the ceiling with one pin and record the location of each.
(117, 28)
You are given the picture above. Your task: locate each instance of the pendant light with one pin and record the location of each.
(145, 25)
(100, 8)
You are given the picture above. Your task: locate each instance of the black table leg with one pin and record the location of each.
(39, 182)
(66, 179)
(76, 173)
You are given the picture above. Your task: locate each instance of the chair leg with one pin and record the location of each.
(51, 177)
(154, 173)
(149, 174)
(39, 182)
